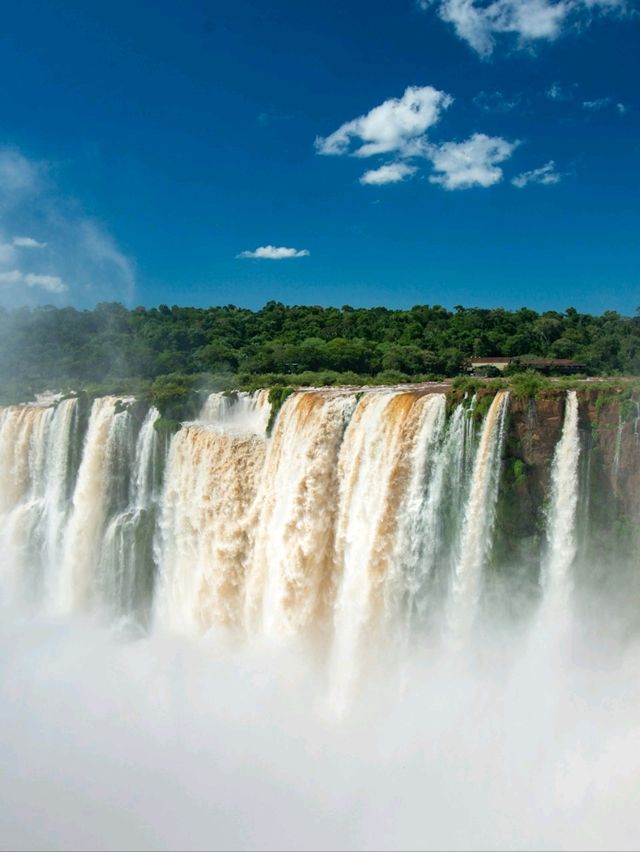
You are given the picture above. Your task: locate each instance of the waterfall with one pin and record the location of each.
(237, 411)
(362, 523)
(428, 526)
(561, 521)
(106, 440)
(205, 527)
(125, 568)
(292, 572)
(479, 517)
(375, 471)
(36, 473)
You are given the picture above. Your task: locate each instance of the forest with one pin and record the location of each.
(168, 348)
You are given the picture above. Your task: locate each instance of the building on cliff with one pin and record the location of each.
(493, 366)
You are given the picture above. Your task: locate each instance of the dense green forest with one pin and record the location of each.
(111, 346)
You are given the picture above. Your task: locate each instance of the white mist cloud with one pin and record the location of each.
(470, 163)
(273, 253)
(479, 23)
(389, 173)
(395, 125)
(545, 175)
(168, 744)
(59, 253)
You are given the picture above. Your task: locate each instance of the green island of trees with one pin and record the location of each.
(166, 353)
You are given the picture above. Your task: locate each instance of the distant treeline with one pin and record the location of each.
(50, 347)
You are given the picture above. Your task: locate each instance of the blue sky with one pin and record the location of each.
(146, 147)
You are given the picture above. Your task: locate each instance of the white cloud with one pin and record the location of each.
(273, 253)
(399, 125)
(396, 124)
(27, 242)
(8, 250)
(622, 108)
(478, 23)
(73, 254)
(389, 173)
(470, 163)
(545, 175)
(50, 283)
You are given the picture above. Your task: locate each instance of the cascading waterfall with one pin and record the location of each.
(292, 571)
(36, 474)
(238, 411)
(205, 529)
(363, 522)
(561, 527)
(106, 441)
(125, 569)
(383, 441)
(479, 516)
(427, 543)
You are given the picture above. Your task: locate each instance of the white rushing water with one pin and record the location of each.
(479, 517)
(358, 508)
(561, 527)
(321, 553)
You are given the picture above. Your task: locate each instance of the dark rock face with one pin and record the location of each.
(608, 519)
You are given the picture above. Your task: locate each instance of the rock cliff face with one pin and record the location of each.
(609, 486)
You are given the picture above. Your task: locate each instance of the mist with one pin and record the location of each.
(111, 742)
(326, 635)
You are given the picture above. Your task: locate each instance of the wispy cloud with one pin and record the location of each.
(27, 242)
(497, 102)
(393, 126)
(562, 91)
(273, 253)
(604, 103)
(545, 175)
(481, 23)
(389, 173)
(58, 251)
(474, 162)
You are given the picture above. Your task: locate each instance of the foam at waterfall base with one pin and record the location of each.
(162, 743)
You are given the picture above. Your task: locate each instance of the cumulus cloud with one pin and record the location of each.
(389, 173)
(273, 253)
(50, 283)
(399, 126)
(396, 125)
(71, 254)
(545, 175)
(463, 165)
(478, 23)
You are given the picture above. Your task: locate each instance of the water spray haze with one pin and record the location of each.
(306, 648)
